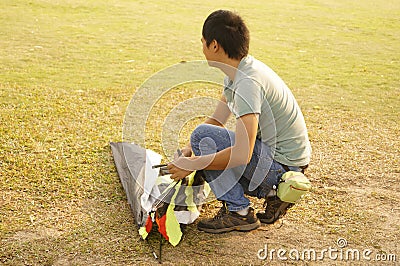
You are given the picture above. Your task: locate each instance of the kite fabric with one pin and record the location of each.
(156, 198)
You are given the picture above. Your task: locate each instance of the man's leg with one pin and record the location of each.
(209, 139)
(275, 208)
(262, 173)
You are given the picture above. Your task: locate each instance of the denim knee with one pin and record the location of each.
(210, 138)
(197, 135)
(201, 131)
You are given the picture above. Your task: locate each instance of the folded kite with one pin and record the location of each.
(156, 198)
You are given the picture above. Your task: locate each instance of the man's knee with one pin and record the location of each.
(199, 133)
(210, 139)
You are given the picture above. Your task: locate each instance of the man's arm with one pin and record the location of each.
(220, 115)
(238, 154)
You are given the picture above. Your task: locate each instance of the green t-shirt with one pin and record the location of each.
(258, 89)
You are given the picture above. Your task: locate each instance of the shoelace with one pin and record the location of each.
(221, 213)
(270, 208)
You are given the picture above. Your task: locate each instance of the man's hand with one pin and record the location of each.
(176, 172)
(186, 152)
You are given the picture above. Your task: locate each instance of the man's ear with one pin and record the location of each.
(215, 45)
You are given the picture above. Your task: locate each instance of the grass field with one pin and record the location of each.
(69, 69)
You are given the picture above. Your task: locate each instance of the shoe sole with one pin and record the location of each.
(265, 221)
(241, 228)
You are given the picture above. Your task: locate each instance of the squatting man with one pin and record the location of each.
(270, 136)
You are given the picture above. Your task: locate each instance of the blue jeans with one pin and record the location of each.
(256, 178)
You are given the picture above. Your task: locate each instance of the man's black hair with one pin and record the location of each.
(229, 30)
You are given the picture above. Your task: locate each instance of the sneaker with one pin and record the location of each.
(274, 210)
(226, 221)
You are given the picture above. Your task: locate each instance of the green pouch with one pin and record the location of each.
(293, 186)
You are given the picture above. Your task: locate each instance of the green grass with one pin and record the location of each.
(69, 69)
